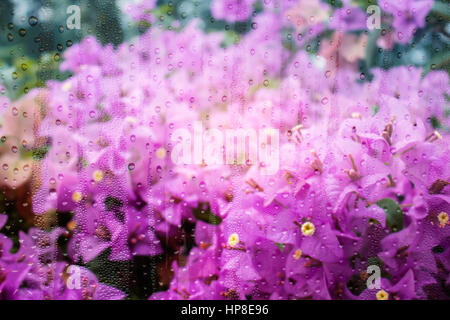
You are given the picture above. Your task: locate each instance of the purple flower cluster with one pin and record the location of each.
(363, 175)
(33, 274)
(408, 16)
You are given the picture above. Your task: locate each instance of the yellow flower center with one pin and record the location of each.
(268, 104)
(131, 120)
(308, 229)
(66, 86)
(356, 115)
(77, 196)
(161, 153)
(382, 295)
(443, 219)
(233, 239)
(97, 175)
(71, 225)
(297, 254)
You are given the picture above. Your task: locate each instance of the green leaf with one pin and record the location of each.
(374, 261)
(203, 212)
(334, 3)
(364, 4)
(375, 109)
(39, 153)
(280, 246)
(113, 204)
(231, 38)
(394, 214)
(437, 62)
(441, 9)
(435, 122)
(113, 273)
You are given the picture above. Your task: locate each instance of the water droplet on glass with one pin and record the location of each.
(32, 21)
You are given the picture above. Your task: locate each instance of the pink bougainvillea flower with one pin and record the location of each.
(232, 10)
(408, 16)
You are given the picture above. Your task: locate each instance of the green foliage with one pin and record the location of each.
(136, 277)
(364, 4)
(38, 154)
(441, 8)
(334, 3)
(281, 246)
(203, 212)
(394, 214)
(30, 53)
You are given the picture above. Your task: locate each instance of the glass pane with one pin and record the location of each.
(224, 149)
